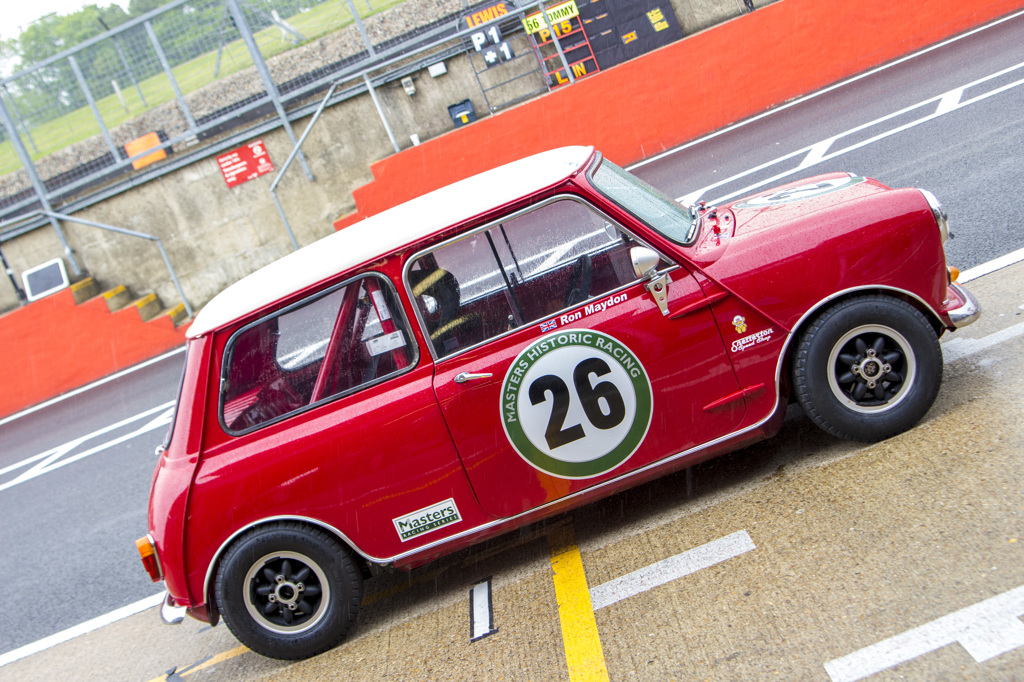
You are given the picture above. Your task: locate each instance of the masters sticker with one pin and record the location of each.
(427, 519)
(800, 193)
(576, 404)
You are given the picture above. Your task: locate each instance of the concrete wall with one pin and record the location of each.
(215, 235)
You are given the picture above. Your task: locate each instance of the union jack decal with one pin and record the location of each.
(548, 326)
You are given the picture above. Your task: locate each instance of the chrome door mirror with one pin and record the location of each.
(645, 266)
(645, 261)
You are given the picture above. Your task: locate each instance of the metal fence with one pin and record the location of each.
(185, 72)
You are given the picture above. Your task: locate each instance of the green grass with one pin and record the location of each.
(80, 124)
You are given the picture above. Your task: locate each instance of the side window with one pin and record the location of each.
(331, 344)
(524, 269)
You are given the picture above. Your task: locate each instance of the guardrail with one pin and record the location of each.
(53, 217)
(190, 80)
(275, 104)
(431, 46)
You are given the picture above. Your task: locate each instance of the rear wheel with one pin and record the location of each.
(867, 368)
(288, 591)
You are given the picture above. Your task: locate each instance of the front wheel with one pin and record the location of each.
(288, 591)
(867, 368)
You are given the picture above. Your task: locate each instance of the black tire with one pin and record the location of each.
(288, 591)
(867, 368)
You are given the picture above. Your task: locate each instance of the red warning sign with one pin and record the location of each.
(245, 163)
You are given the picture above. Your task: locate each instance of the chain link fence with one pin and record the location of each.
(185, 75)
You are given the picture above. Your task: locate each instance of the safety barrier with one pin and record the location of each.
(676, 94)
(682, 91)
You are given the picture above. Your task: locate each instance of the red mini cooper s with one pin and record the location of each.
(514, 345)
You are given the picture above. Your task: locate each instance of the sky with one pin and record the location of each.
(17, 14)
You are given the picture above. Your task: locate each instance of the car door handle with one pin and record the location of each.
(463, 377)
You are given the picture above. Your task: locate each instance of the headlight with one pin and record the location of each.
(941, 219)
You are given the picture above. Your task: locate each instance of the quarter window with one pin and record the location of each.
(526, 268)
(351, 336)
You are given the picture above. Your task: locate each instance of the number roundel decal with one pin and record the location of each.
(576, 404)
(801, 193)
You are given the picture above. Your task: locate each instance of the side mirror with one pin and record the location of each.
(645, 261)
(645, 265)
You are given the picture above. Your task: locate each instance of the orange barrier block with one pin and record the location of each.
(52, 346)
(684, 90)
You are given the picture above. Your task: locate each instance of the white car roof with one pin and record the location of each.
(387, 231)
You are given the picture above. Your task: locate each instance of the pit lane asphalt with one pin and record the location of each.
(915, 543)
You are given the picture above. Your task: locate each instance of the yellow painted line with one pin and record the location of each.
(219, 658)
(237, 651)
(583, 653)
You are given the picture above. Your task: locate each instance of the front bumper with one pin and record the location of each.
(966, 308)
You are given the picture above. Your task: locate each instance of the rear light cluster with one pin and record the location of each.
(147, 550)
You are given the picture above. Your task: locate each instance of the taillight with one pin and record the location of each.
(147, 550)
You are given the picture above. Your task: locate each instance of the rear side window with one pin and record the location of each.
(332, 344)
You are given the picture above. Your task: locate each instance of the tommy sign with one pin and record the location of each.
(576, 404)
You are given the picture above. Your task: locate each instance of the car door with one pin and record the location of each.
(555, 367)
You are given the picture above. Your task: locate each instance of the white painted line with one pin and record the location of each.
(818, 93)
(950, 101)
(78, 630)
(98, 382)
(957, 348)
(816, 153)
(985, 630)
(991, 266)
(52, 458)
(670, 569)
(481, 615)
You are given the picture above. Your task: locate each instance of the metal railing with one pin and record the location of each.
(196, 71)
(53, 216)
(435, 40)
(196, 117)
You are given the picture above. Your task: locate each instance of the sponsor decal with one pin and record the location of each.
(752, 340)
(576, 404)
(740, 323)
(801, 193)
(427, 520)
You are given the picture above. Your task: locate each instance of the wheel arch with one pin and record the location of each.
(362, 559)
(786, 357)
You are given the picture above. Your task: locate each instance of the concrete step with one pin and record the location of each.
(177, 314)
(117, 298)
(148, 307)
(120, 298)
(84, 289)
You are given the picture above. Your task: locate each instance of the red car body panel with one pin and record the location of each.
(716, 361)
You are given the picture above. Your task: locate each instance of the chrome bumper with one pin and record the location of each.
(169, 613)
(968, 312)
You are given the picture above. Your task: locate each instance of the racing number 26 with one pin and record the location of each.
(557, 434)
